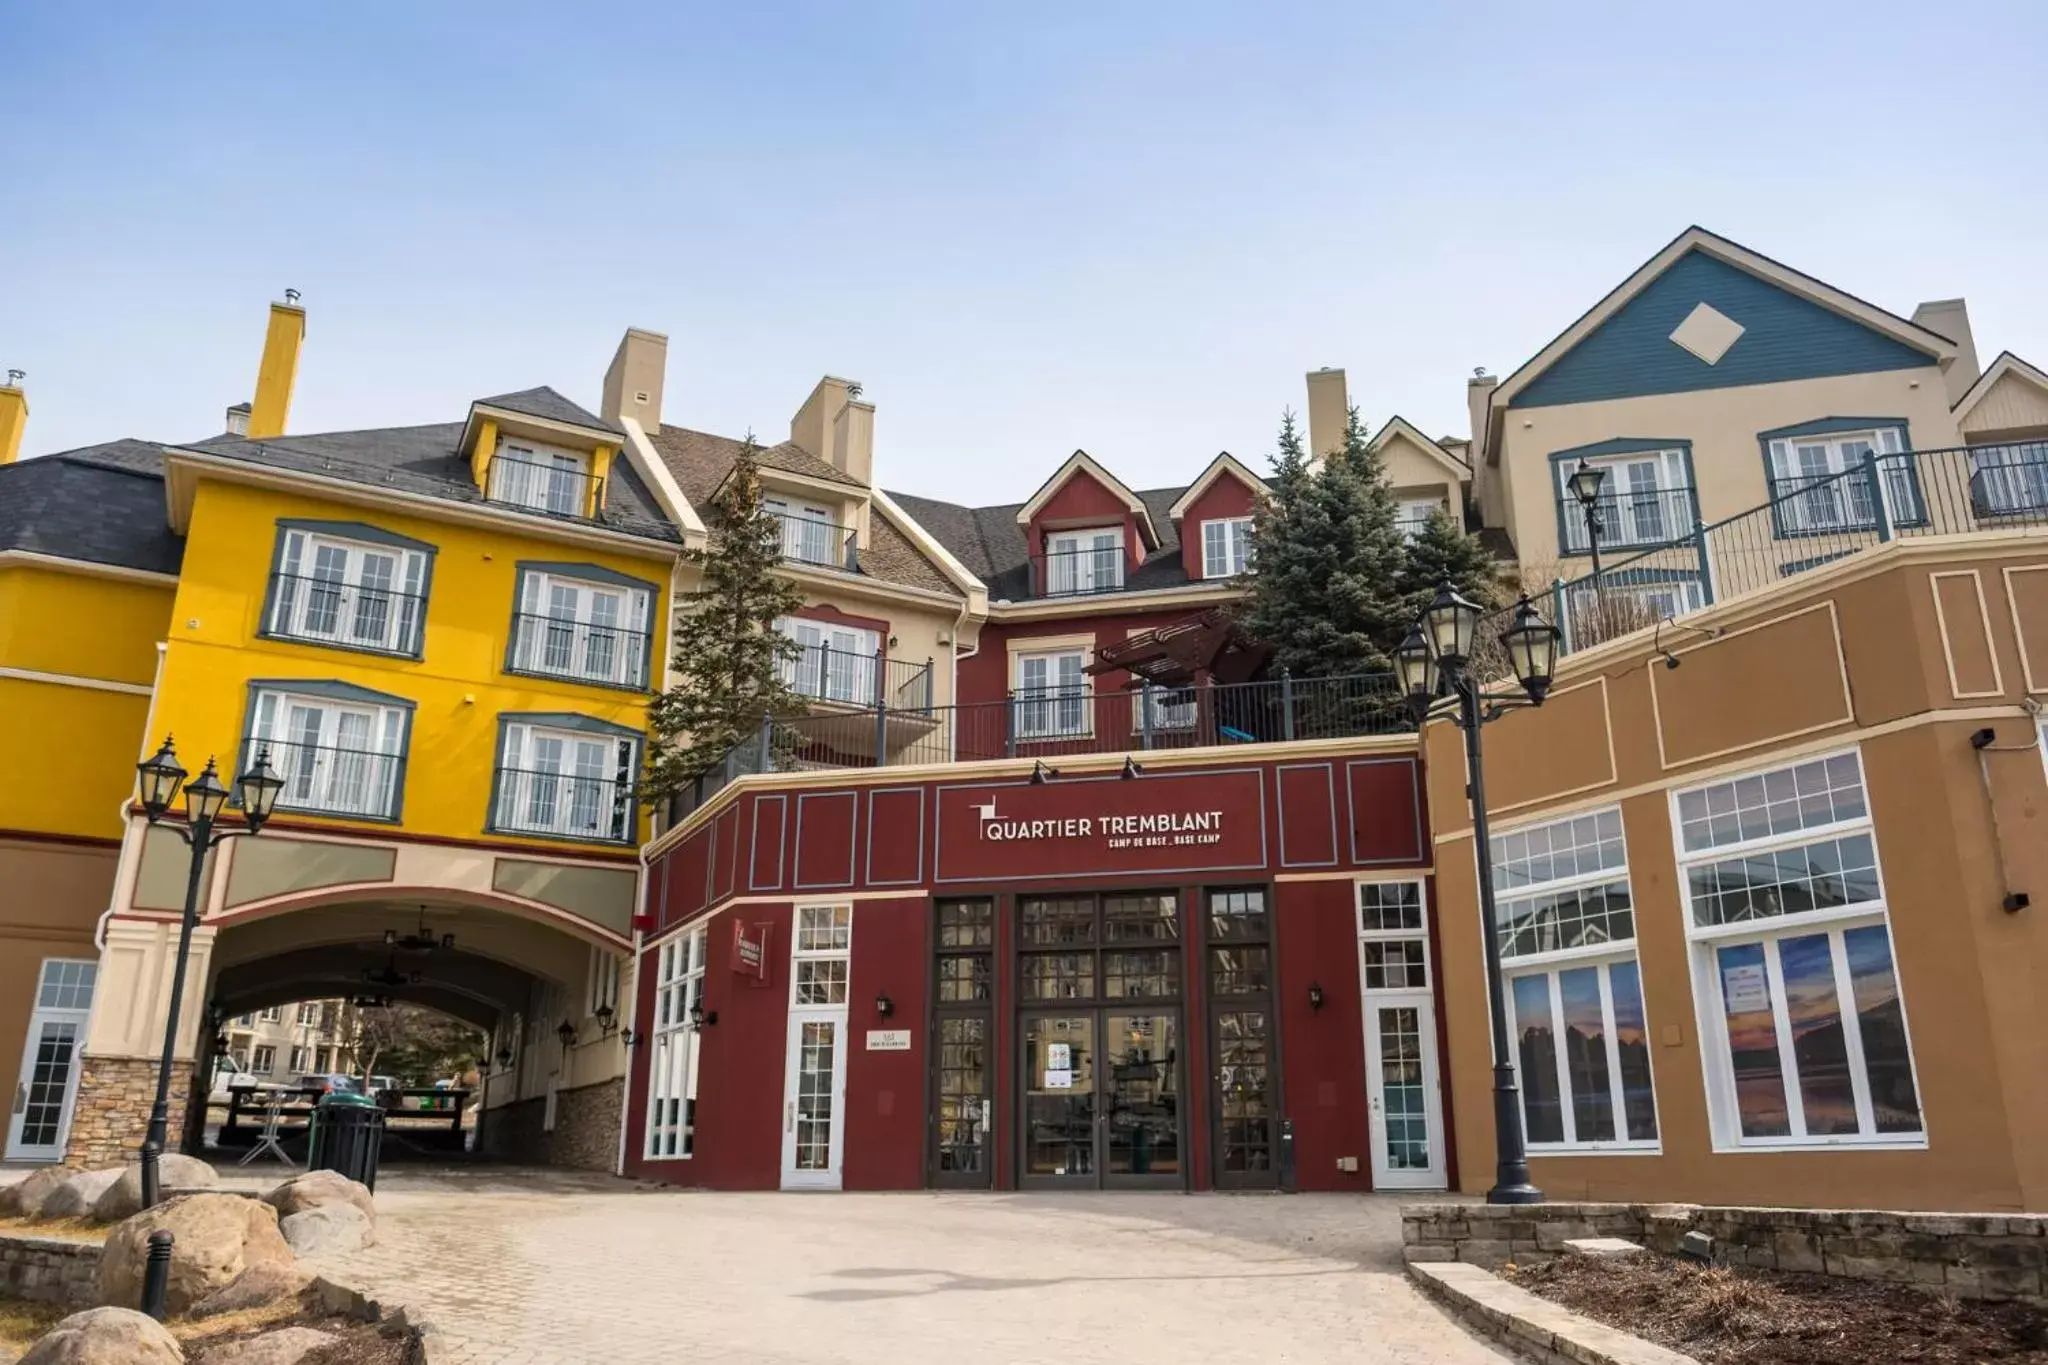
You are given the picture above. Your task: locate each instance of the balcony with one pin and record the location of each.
(1628, 519)
(358, 784)
(810, 540)
(559, 805)
(1077, 573)
(328, 611)
(869, 681)
(565, 489)
(606, 655)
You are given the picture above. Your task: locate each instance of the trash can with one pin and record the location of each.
(347, 1137)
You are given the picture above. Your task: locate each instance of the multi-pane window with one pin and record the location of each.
(1084, 561)
(1116, 947)
(603, 985)
(273, 1015)
(1566, 923)
(1226, 547)
(1240, 967)
(2009, 480)
(263, 1059)
(963, 1072)
(1646, 499)
(837, 662)
(66, 984)
(1052, 695)
(809, 535)
(302, 1059)
(966, 943)
(1821, 482)
(360, 594)
(336, 757)
(568, 627)
(821, 956)
(1411, 515)
(1793, 973)
(540, 479)
(672, 1070)
(567, 783)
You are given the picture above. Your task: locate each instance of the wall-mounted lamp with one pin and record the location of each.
(701, 1018)
(1984, 738)
(607, 1020)
(628, 1037)
(1315, 995)
(2016, 902)
(1132, 768)
(504, 1059)
(567, 1033)
(884, 1006)
(1040, 774)
(220, 1042)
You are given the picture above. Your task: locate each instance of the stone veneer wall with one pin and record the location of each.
(1973, 1256)
(49, 1270)
(586, 1135)
(112, 1112)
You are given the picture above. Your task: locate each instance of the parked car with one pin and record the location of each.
(229, 1075)
(329, 1083)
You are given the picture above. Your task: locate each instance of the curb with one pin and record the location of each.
(1532, 1327)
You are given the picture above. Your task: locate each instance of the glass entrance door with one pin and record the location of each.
(1406, 1109)
(1060, 1136)
(48, 1079)
(814, 1086)
(1238, 952)
(1139, 1100)
(962, 1143)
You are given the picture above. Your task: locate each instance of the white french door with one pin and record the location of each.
(814, 1108)
(47, 1083)
(1402, 1087)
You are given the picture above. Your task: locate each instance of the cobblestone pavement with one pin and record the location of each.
(549, 1268)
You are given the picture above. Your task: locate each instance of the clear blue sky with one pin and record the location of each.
(1025, 228)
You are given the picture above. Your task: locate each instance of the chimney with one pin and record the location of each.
(853, 442)
(1328, 407)
(1478, 395)
(632, 386)
(238, 420)
(1951, 318)
(13, 416)
(279, 370)
(812, 427)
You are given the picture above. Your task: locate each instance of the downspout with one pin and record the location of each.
(955, 656)
(629, 1007)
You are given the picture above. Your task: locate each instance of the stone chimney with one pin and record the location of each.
(1951, 318)
(1328, 405)
(13, 416)
(632, 386)
(853, 442)
(1478, 394)
(279, 370)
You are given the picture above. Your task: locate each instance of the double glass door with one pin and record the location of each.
(962, 1143)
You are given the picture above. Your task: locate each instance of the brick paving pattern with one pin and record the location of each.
(557, 1268)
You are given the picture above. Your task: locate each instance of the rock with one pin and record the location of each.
(106, 1336)
(219, 1236)
(266, 1282)
(1698, 1245)
(315, 1188)
(287, 1346)
(78, 1194)
(174, 1171)
(1601, 1247)
(31, 1194)
(327, 1229)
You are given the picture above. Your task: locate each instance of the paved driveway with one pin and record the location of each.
(545, 1268)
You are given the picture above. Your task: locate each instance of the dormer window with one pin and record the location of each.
(1083, 562)
(1226, 547)
(540, 478)
(810, 535)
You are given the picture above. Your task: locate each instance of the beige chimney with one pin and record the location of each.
(13, 416)
(1328, 406)
(1485, 462)
(1951, 318)
(811, 429)
(1478, 395)
(853, 442)
(632, 386)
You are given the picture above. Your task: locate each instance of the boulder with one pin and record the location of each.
(327, 1230)
(31, 1194)
(264, 1283)
(106, 1336)
(174, 1171)
(78, 1194)
(286, 1346)
(315, 1188)
(219, 1236)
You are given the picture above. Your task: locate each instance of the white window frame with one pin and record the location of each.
(360, 780)
(273, 1015)
(1226, 547)
(1412, 514)
(540, 477)
(308, 1013)
(573, 627)
(1053, 708)
(813, 941)
(1644, 500)
(1165, 710)
(566, 784)
(1703, 943)
(1086, 561)
(302, 1056)
(2013, 475)
(601, 986)
(1550, 964)
(329, 590)
(263, 1059)
(837, 663)
(811, 533)
(1813, 459)
(672, 1071)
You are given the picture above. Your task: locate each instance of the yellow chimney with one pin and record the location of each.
(279, 369)
(13, 416)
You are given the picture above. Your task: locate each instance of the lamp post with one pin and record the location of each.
(1585, 483)
(161, 776)
(1435, 667)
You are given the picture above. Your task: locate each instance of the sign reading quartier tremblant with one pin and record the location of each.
(1078, 827)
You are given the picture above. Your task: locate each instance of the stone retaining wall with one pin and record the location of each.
(585, 1136)
(49, 1270)
(1975, 1256)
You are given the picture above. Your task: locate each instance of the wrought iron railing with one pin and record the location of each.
(562, 805)
(558, 489)
(1076, 573)
(355, 615)
(811, 540)
(615, 656)
(325, 779)
(1627, 520)
(855, 679)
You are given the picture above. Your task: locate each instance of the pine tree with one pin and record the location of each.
(1326, 594)
(728, 653)
(1442, 552)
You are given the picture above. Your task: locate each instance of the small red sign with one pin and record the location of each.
(750, 953)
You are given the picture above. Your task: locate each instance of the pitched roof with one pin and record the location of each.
(1081, 462)
(101, 504)
(2006, 365)
(1401, 426)
(991, 543)
(544, 402)
(1224, 463)
(700, 461)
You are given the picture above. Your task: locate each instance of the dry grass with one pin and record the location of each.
(21, 1323)
(66, 1229)
(192, 1331)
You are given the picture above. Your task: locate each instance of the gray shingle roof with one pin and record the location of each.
(101, 504)
(545, 402)
(989, 541)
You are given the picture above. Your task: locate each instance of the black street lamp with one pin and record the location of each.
(160, 777)
(1585, 482)
(1435, 664)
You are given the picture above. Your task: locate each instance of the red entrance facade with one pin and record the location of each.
(1208, 972)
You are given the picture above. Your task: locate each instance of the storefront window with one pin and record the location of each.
(672, 1071)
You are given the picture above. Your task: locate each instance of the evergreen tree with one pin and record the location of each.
(1442, 552)
(1326, 594)
(728, 653)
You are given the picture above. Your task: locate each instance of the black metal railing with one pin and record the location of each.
(562, 805)
(323, 779)
(1809, 520)
(1628, 519)
(1075, 573)
(357, 615)
(856, 679)
(560, 490)
(811, 540)
(613, 655)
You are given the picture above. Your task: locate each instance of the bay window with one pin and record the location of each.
(1566, 924)
(1226, 547)
(1052, 695)
(1799, 1005)
(340, 749)
(1084, 561)
(338, 583)
(567, 777)
(672, 1073)
(582, 622)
